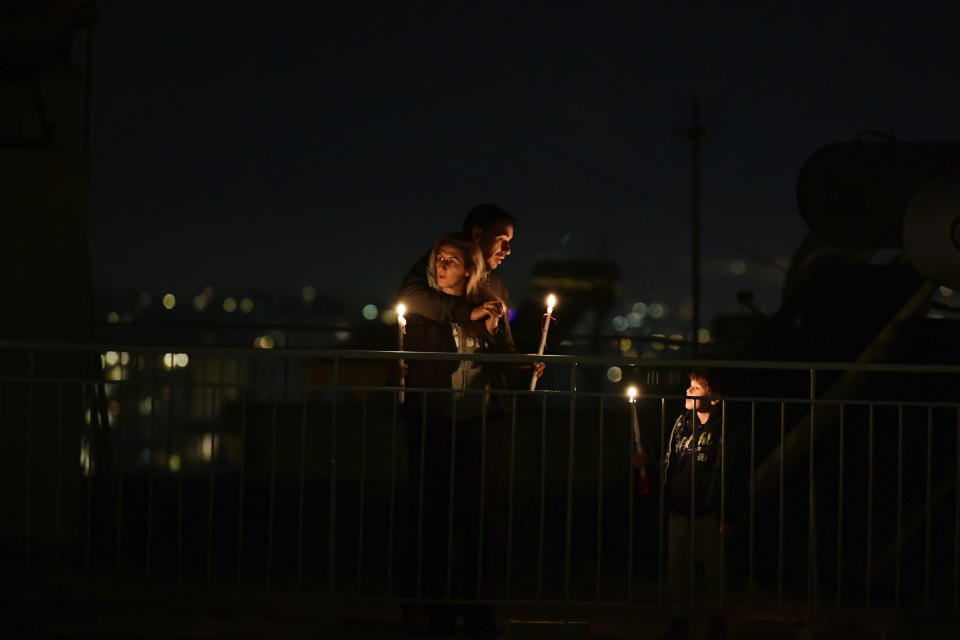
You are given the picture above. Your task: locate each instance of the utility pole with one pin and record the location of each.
(695, 133)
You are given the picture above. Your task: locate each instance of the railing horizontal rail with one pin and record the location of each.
(495, 392)
(361, 354)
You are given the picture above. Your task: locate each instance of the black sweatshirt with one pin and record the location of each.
(704, 459)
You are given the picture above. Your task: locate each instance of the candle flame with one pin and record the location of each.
(401, 309)
(632, 393)
(551, 301)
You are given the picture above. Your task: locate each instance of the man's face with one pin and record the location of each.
(702, 404)
(494, 243)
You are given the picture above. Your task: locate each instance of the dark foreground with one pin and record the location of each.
(209, 617)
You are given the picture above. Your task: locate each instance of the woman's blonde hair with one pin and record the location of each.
(472, 261)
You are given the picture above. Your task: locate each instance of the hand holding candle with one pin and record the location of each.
(551, 303)
(401, 326)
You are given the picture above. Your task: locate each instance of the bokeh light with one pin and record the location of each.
(676, 338)
(263, 342)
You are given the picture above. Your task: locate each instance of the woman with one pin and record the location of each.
(447, 432)
(456, 268)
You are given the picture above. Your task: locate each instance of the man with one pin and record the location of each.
(692, 494)
(491, 229)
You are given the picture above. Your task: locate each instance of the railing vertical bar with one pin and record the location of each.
(480, 519)
(171, 428)
(88, 538)
(570, 459)
(896, 597)
(543, 488)
(423, 463)
(840, 507)
(513, 452)
(723, 498)
(783, 424)
(599, 497)
(393, 486)
(59, 503)
(753, 445)
(210, 489)
(332, 535)
(119, 556)
(929, 508)
(661, 555)
(870, 425)
(453, 470)
(693, 500)
(631, 499)
(363, 488)
(243, 467)
(28, 453)
(300, 497)
(271, 497)
(150, 469)
(812, 561)
(956, 523)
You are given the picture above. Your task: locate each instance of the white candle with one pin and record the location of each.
(551, 303)
(632, 394)
(401, 326)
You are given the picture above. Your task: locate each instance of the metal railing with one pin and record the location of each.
(134, 468)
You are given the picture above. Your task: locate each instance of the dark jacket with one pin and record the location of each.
(424, 334)
(704, 460)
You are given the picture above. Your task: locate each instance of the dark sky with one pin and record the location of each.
(264, 148)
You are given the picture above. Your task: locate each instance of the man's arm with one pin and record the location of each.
(424, 300)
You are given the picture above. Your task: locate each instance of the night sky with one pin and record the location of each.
(259, 149)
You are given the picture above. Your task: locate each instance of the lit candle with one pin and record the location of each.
(632, 394)
(401, 326)
(551, 303)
